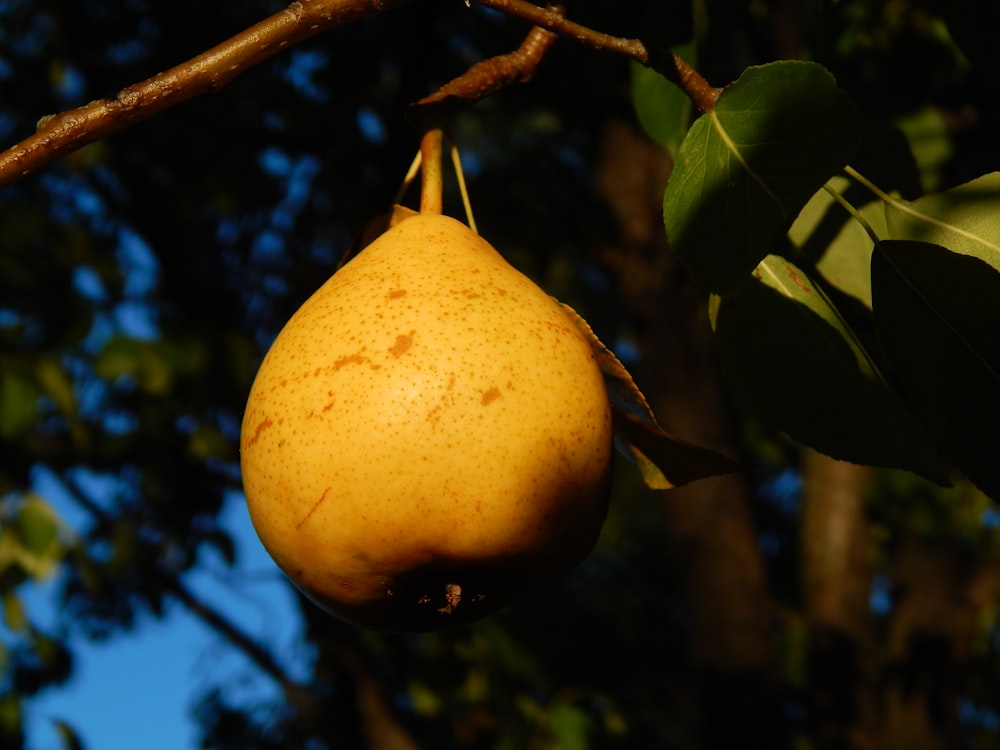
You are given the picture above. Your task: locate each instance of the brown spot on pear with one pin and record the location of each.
(391, 519)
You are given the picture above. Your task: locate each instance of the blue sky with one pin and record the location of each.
(137, 690)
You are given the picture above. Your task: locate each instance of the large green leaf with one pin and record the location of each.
(965, 219)
(746, 168)
(937, 314)
(791, 362)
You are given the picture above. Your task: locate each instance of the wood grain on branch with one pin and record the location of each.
(61, 134)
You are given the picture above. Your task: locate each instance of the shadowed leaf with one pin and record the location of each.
(792, 363)
(937, 314)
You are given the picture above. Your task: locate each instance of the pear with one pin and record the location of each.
(429, 435)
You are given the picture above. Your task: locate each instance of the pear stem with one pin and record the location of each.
(432, 179)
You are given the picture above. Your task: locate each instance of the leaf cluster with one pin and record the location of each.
(877, 348)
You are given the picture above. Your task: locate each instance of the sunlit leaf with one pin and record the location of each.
(423, 699)
(965, 219)
(570, 727)
(29, 540)
(663, 460)
(56, 383)
(141, 361)
(746, 169)
(937, 314)
(14, 616)
(845, 256)
(38, 525)
(791, 362)
(18, 403)
(929, 135)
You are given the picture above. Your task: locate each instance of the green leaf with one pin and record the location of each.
(424, 700)
(38, 526)
(746, 169)
(663, 110)
(18, 404)
(929, 135)
(791, 362)
(937, 314)
(29, 540)
(965, 219)
(10, 715)
(141, 361)
(56, 383)
(570, 727)
(14, 616)
(208, 442)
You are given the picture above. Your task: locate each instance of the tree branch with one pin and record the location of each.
(488, 76)
(675, 68)
(297, 693)
(61, 134)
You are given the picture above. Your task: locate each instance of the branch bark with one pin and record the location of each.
(836, 568)
(709, 531)
(61, 134)
(491, 75)
(674, 67)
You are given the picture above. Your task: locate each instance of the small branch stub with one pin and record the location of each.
(673, 67)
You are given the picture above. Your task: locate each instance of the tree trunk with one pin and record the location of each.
(836, 558)
(940, 600)
(708, 526)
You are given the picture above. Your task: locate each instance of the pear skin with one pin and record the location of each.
(428, 436)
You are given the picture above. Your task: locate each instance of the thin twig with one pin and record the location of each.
(489, 76)
(675, 68)
(240, 640)
(296, 692)
(61, 134)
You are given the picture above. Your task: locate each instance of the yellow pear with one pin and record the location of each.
(428, 436)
